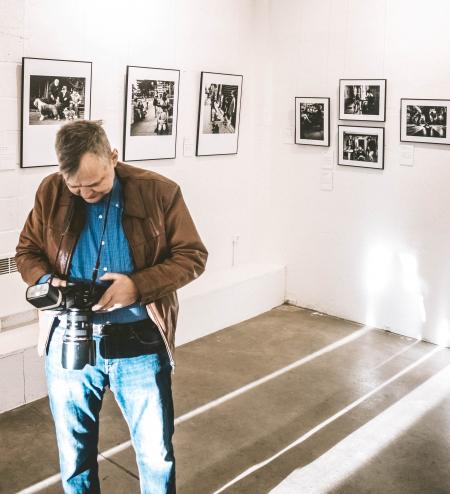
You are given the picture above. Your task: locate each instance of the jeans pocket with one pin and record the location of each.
(53, 356)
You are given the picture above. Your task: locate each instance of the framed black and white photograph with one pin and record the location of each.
(312, 121)
(361, 146)
(151, 113)
(218, 114)
(362, 99)
(424, 120)
(54, 92)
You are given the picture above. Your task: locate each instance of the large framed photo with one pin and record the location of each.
(362, 99)
(361, 146)
(54, 92)
(151, 113)
(218, 114)
(424, 120)
(312, 121)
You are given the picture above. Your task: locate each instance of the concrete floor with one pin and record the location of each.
(290, 401)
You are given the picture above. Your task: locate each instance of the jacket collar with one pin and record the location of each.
(133, 205)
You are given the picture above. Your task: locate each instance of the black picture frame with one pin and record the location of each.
(41, 113)
(154, 136)
(425, 122)
(299, 125)
(346, 156)
(376, 100)
(213, 138)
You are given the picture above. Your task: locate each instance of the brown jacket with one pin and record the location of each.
(166, 248)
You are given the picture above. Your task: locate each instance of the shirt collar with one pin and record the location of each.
(129, 195)
(116, 196)
(116, 193)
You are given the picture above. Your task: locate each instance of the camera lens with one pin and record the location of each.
(78, 347)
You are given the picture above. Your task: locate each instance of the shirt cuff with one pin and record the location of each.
(43, 279)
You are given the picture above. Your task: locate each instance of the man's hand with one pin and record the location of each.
(121, 293)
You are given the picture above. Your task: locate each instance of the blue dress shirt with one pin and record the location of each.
(115, 255)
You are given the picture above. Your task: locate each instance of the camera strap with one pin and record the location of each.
(97, 262)
(63, 234)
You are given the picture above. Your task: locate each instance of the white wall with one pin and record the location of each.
(192, 36)
(222, 195)
(189, 35)
(376, 249)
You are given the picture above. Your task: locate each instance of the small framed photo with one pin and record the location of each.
(151, 113)
(54, 92)
(362, 99)
(424, 120)
(312, 121)
(361, 146)
(218, 114)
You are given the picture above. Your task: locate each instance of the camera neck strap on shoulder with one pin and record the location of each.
(68, 221)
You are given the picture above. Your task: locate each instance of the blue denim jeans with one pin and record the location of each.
(142, 389)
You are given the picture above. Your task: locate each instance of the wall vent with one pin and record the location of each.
(8, 265)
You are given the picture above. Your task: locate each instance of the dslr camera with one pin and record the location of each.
(75, 301)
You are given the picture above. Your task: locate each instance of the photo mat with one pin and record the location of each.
(312, 121)
(362, 99)
(424, 120)
(151, 113)
(361, 146)
(218, 114)
(54, 92)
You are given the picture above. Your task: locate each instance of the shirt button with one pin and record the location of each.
(105, 269)
(103, 242)
(117, 205)
(100, 216)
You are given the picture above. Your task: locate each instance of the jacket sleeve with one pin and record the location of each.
(187, 255)
(31, 260)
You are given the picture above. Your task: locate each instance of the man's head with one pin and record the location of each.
(86, 160)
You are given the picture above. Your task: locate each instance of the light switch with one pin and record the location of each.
(328, 160)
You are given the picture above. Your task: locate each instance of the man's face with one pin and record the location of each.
(94, 178)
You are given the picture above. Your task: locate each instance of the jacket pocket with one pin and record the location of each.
(155, 242)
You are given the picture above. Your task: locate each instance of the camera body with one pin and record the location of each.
(75, 301)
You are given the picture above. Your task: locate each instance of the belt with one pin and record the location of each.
(129, 339)
(111, 329)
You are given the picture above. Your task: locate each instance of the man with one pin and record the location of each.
(53, 91)
(370, 97)
(76, 100)
(64, 99)
(232, 110)
(149, 249)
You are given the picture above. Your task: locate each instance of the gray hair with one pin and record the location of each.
(75, 139)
